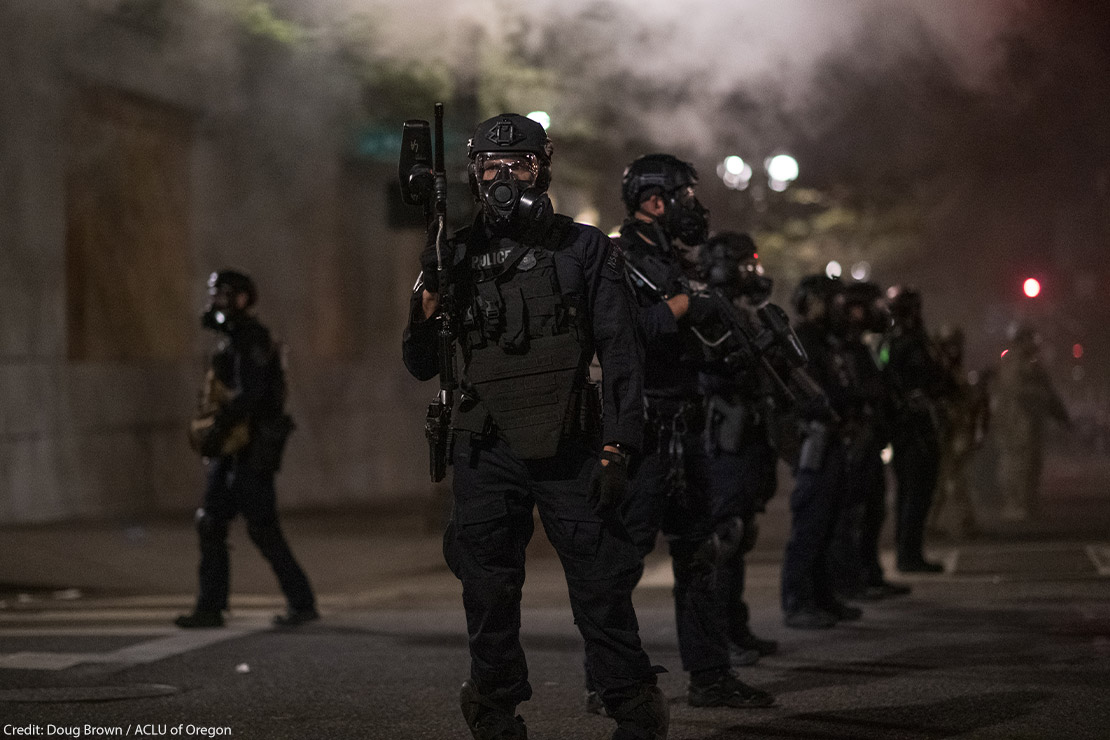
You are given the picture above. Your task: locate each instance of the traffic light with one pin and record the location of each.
(1031, 287)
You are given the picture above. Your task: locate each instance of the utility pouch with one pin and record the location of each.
(437, 430)
(814, 446)
(208, 436)
(724, 425)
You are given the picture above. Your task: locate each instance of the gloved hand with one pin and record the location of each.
(702, 308)
(609, 482)
(429, 265)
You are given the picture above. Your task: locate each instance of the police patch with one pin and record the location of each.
(615, 261)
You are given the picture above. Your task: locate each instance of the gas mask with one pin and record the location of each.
(514, 206)
(510, 199)
(223, 310)
(215, 319)
(685, 218)
(754, 285)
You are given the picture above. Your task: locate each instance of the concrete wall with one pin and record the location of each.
(271, 191)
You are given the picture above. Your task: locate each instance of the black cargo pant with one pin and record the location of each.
(815, 505)
(236, 488)
(854, 553)
(687, 518)
(494, 496)
(740, 484)
(916, 468)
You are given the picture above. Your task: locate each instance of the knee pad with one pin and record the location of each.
(722, 545)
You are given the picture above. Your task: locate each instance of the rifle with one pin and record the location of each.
(423, 180)
(754, 345)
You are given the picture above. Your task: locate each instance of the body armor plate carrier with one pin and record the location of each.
(526, 348)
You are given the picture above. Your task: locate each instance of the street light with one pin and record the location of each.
(782, 169)
(541, 118)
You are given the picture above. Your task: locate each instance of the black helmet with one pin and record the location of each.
(236, 281)
(871, 298)
(517, 152)
(223, 317)
(729, 260)
(668, 177)
(905, 303)
(813, 289)
(511, 133)
(654, 174)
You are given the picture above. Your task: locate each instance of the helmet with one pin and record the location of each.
(905, 303)
(237, 282)
(1023, 337)
(729, 260)
(510, 170)
(223, 286)
(868, 296)
(950, 342)
(814, 290)
(672, 179)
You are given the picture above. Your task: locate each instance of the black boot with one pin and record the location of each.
(763, 647)
(645, 716)
(488, 720)
(726, 690)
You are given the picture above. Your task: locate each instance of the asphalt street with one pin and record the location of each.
(1013, 641)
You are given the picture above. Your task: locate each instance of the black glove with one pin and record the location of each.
(609, 482)
(428, 262)
(702, 308)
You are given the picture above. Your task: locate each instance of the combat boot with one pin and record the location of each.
(726, 690)
(488, 720)
(645, 716)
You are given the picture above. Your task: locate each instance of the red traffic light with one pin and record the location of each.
(1032, 288)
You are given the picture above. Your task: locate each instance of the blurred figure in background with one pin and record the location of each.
(820, 490)
(856, 570)
(1023, 399)
(965, 412)
(916, 379)
(241, 431)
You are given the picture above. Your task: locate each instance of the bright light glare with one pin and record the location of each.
(833, 269)
(861, 270)
(782, 168)
(735, 172)
(1032, 288)
(541, 118)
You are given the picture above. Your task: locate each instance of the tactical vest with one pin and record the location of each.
(525, 346)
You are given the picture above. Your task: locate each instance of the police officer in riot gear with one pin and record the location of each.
(536, 295)
(742, 458)
(865, 429)
(820, 490)
(242, 439)
(671, 491)
(917, 380)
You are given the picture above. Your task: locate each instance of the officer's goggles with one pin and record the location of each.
(523, 167)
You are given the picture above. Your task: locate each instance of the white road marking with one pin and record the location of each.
(1100, 556)
(181, 641)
